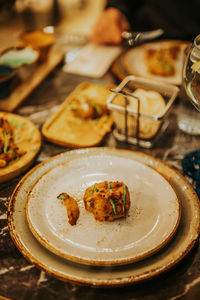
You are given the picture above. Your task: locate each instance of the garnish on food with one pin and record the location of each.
(86, 108)
(72, 207)
(9, 151)
(108, 200)
(161, 61)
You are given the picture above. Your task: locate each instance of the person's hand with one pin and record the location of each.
(109, 27)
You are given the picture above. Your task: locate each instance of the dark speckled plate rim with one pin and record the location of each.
(121, 275)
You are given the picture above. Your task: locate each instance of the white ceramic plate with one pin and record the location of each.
(134, 61)
(152, 219)
(184, 239)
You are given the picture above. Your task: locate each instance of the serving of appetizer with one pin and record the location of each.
(152, 103)
(71, 206)
(108, 200)
(20, 142)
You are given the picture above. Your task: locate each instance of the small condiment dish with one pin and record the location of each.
(39, 40)
(136, 120)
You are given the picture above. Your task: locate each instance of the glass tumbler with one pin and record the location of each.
(188, 116)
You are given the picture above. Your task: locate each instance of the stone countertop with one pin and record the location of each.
(19, 279)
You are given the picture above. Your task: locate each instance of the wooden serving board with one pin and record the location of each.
(22, 90)
(27, 138)
(63, 128)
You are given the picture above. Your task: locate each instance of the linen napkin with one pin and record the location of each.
(93, 60)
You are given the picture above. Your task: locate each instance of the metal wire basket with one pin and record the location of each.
(133, 124)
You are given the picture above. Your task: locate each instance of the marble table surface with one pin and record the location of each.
(19, 279)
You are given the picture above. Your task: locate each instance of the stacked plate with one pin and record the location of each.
(164, 212)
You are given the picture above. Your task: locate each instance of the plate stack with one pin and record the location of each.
(160, 228)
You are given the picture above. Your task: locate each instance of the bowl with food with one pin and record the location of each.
(22, 59)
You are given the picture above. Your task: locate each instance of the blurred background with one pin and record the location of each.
(74, 17)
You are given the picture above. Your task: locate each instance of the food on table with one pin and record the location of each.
(161, 61)
(82, 120)
(7, 75)
(196, 67)
(108, 200)
(72, 207)
(86, 108)
(18, 57)
(38, 38)
(152, 103)
(9, 151)
(22, 140)
(89, 103)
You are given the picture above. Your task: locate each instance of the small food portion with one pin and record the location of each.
(20, 142)
(108, 200)
(40, 40)
(161, 61)
(90, 103)
(18, 57)
(72, 208)
(196, 67)
(86, 108)
(9, 151)
(151, 103)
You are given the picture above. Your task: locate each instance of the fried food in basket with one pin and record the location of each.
(86, 108)
(72, 207)
(9, 151)
(108, 200)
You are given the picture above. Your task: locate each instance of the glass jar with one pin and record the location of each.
(188, 117)
(191, 73)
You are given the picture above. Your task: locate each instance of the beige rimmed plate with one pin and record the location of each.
(134, 61)
(182, 242)
(27, 137)
(152, 219)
